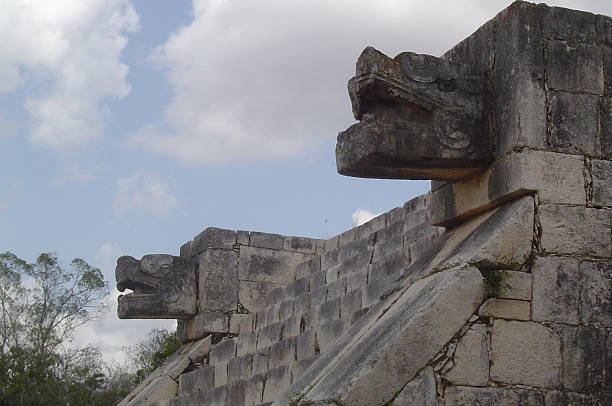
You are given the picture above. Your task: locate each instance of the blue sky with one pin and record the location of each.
(127, 127)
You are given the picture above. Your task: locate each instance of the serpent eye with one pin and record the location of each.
(446, 85)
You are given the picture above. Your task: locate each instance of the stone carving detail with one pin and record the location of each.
(164, 287)
(420, 118)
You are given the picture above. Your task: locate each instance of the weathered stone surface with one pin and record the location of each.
(253, 296)
(241, 323)
(464, 395)
(586, 72)
(213, 237)
(575, 230)
(306, 345)
(330, 331)
(583, 361)
(221, 373)
(387, 347)
(218, 283)
(266, 240)
(506, 309)
(261, 360)
(206, 323)
(269, 335)
(267, 265)
(196, 380)
(199, 349)
(243, 237)
(254, 390)
(601, 172)
(240, 368)
(420, 118)
(223, 351)
(282, 353)
(572, 399)
(574, 123)
(160, 388)
(300, 244)
(606, 126)
(556, 291)
(164, 287)
(517, 285)
(278, 380)
(471, 359)
(420, 391)
(525, 353)
(596, 293)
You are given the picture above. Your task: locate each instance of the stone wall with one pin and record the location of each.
(492, 289)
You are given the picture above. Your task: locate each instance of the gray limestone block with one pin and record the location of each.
(584, 363)
(506, 309)
(283, 353)
(267, 265)
(240, 368)
(607, 55)
(241, 323)
(517, 285)
(196, 380)
(465, 395)
(606, 127)
(298, 287)
(318, 295)
(300, 244)
(223, 351)
(330, 310)
(301, 366)
(310, 319)
(331, 275)
(586, 73)
(306, 345)
(302, 303)
(336, 289)
(525, 353)
(331, 244)
(520, 101)
(574, 126)
(246, 343)
(395, 215)
(357, 280)
(391, 231)
(350, 303)
(266, 240)
(420, 391)
(330, 331)
(261, 359)
(243, 237)
(218, 269)
(235, 394)
(185, 250)
(202, 397)
(572, 25)
(471, 359)
(601, 172)
(596, 293)
(608, 360)
(213, 238)
(575, 230)
(329, 259)
(199, 350)
(286, 309)
(277, 295)
(386, 248)
(573, 399)
(269, 335)
(291, 327)
(221, 373)
(377, 289)
(388, 265)
(354, 264)
(219, 396)
(308, 268)
(277, 382)
(254, 390)
(159, 389)
(254, 296)
(206, 323)
(273, 314)
(260, 319)
(347, 237)
(556, 292)
(317, 280)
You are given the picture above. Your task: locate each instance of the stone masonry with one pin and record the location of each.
(494, 288)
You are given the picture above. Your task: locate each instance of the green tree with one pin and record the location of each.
(151, 352)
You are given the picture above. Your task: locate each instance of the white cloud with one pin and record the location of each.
(70, 49)
(74, 173)
(267, 78)
(144, 191)
(361, 216)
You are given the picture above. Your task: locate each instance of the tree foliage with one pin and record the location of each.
(151, 352)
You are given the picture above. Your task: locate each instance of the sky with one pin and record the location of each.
(129, 126)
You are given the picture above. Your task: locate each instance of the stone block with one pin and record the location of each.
(277, 382)
(465, 395)
(336, 289)
(584, 362)
(517, 285)
(254, 390)
(308, 268)
(196, 380)
(159, 389)
(388, 266)
(266, 240)
(330, 331)
(277, 295)
(572, 399)
(574, 126)
(291, 327)
(221, 373)
(185, 250)
(261, 360)
(420, 391)
(331, 275)
(240, 368)
(506, 309)
(350, 303)
(329, 259)
(213, 238)
(243, 237)
(298, 287)
(302, 303)
(218, 285)
(471, 359)
(377, 289)
(596, 293)
(260, 319)
(318, 295)
(300, 244)
(269, 335)
(206, 323)
(571, 25)
(392, 230)
(223, 351)
(273, 314)
(331, 244)
(606, 127)
(586, 73)
(306, 345)
(246, 343)
(282, 353)
(601, 172)
(317, 280)
(301, 366)
(556, 292)
(525, 353)
(235, 394)
(218, 396)
(422, 243)
(286, 310)
(575, 230)
(241, 323)
(268, 265)
(253, 296)
(310, 319)
(199, 350)
(347, 237)
(357, 280)
(330, 310)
